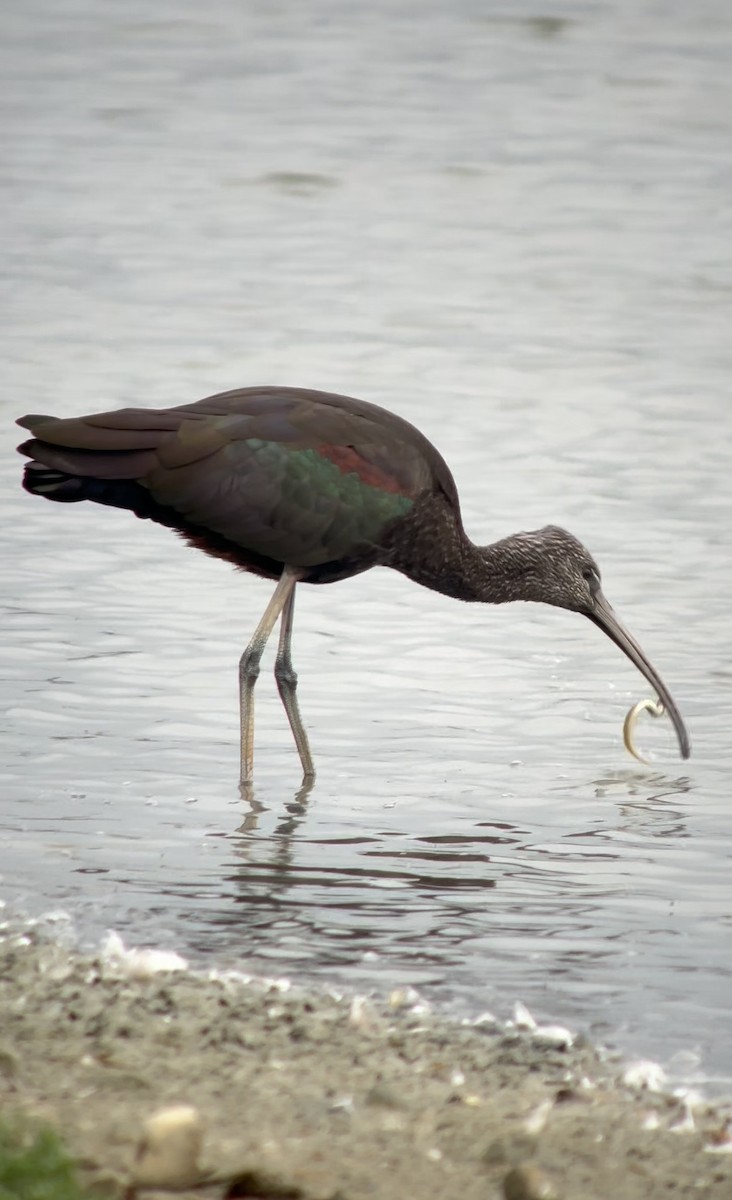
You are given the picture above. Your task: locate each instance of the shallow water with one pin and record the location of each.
(510, 229)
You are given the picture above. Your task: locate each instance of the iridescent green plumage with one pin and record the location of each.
(323, 504)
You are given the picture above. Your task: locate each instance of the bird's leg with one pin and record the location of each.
(249, 668)
(287, 686)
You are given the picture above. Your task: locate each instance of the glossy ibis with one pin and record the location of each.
(309, 487)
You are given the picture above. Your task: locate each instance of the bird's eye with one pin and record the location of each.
(590, 574)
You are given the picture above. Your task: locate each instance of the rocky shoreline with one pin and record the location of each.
(287, 1093)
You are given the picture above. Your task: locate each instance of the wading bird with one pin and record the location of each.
(304, 486)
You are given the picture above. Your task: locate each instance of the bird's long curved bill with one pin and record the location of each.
(604, 617)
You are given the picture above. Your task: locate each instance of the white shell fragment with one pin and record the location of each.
(650, 1122)
(655, 708)
(167, 1156)
(645, 1076)
(522, 1018)
(553, 1035)
(139, 964)
(538, 1117)
(543, 1035)
(408, 998)
(484, 1018)
(362, 1014)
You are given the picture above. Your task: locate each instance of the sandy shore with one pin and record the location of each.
(323, 1098)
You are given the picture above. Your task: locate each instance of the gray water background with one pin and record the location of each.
(511, 223)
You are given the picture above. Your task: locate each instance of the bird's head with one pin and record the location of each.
(552, 567)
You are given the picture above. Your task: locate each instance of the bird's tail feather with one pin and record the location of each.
(65, 488)
(54, 485)
(73, 460)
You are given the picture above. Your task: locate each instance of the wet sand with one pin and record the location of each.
(328, 1098)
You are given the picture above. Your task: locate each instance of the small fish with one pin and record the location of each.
(655, 708)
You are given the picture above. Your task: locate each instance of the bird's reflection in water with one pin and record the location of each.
(248, 841)
(295, 808)
(644, 802)
(548, 898)
(489, 854)
(652, 786)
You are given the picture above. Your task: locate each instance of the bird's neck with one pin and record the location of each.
(499, 572)
(491, 574)
(435, 551)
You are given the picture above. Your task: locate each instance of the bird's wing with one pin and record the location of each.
(301, 477)
(287, 474)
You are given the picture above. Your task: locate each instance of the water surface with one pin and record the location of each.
(507, 224)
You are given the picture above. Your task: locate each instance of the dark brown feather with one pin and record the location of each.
(225, 472)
